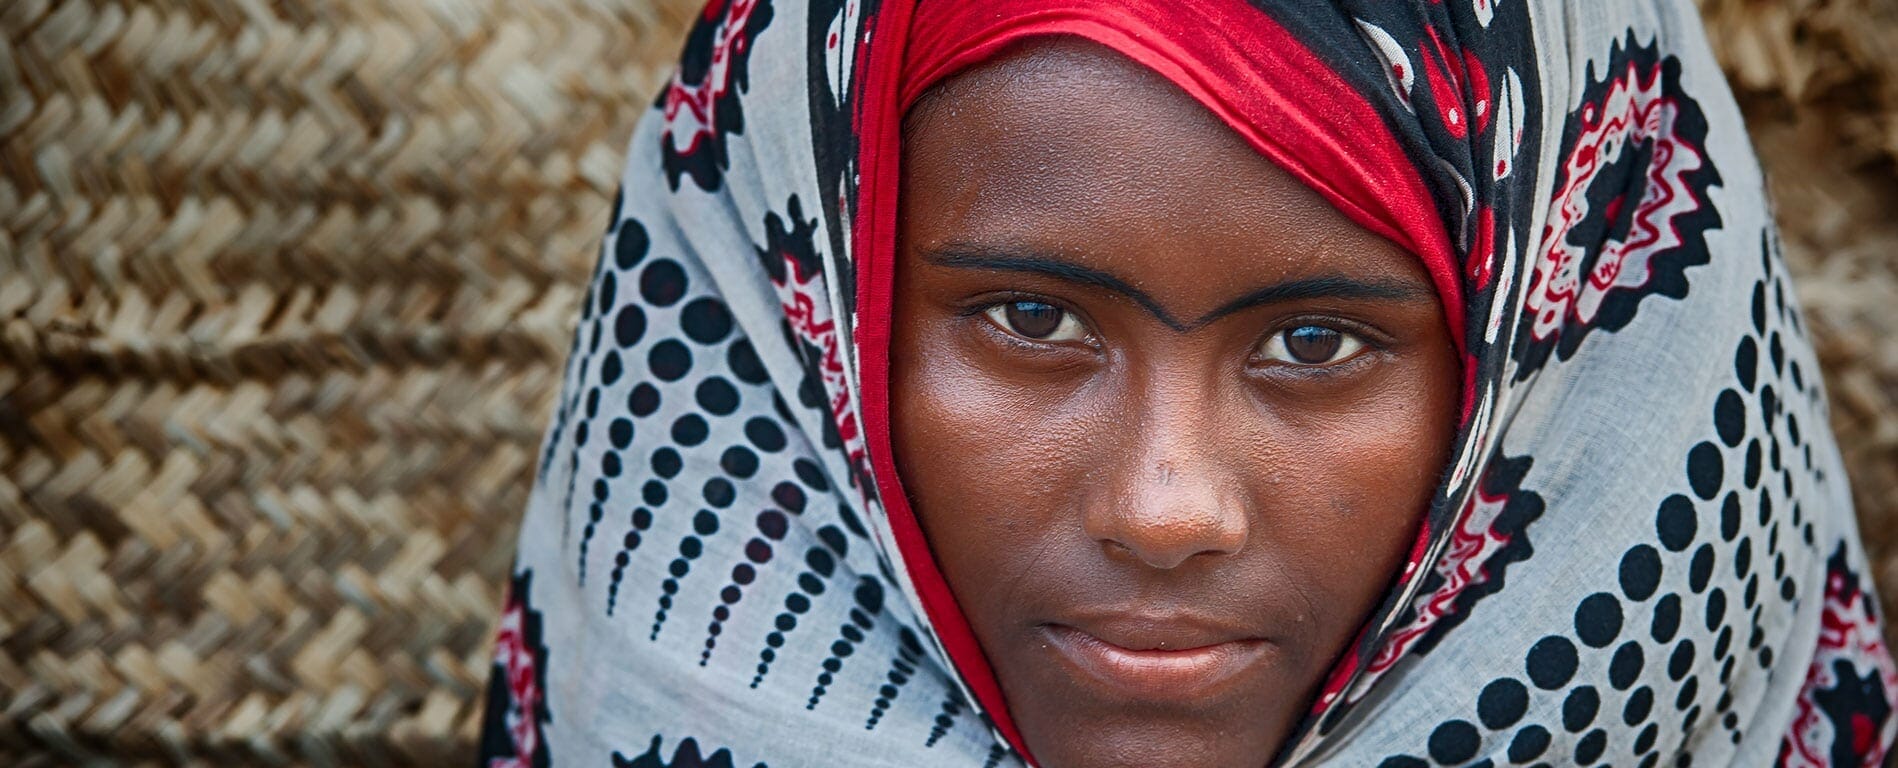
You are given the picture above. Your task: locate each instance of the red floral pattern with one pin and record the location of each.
(1825, 734)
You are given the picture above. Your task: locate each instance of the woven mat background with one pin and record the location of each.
(284, 291)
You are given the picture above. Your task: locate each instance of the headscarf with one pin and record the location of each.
(1642, 552)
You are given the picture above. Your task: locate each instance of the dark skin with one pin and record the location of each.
(1168, 419)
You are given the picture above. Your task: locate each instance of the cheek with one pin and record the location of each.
(1368, 473)
(986, 463)
(955, 422)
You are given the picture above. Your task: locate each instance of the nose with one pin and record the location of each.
(1171, 498)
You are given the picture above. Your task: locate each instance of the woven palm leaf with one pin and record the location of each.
(284, 292)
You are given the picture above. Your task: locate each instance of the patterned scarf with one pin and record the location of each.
(1643, 552)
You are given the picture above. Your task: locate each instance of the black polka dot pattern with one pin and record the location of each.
(869, 597)
(902, 668)
(951, 710)
(641, 520)
(821, 565)
(704, 524)
(692, 484)
(1657, 667)
(772, 527)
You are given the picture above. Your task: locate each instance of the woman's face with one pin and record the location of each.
(1168, 419)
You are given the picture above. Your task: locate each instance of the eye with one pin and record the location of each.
(1311, 345)
(1037, 320)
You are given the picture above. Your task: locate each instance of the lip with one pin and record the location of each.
(1157, 660)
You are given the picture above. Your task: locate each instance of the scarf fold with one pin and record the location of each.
(1643, 549)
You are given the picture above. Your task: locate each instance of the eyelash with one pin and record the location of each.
(1368, 346)
(981, 311)
(1366, 341)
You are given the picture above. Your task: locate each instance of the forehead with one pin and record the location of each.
(1065, 147)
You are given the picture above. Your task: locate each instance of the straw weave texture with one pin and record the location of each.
(284, 293)
(284, 289)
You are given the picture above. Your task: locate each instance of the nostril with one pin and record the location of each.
(1166, 536)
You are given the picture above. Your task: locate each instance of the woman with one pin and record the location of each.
(1084, 384)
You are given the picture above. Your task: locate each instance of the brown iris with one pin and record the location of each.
(1034, 319)
(1313, 344)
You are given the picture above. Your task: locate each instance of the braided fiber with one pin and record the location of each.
(285, 288)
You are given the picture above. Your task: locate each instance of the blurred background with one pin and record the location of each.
(285, 289)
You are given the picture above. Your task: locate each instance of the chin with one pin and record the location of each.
(1135, 741)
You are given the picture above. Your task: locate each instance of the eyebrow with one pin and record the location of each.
(960, 256)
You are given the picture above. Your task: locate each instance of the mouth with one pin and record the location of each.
(1157, 662)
